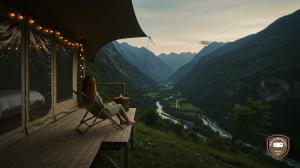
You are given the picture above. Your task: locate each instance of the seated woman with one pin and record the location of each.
(92, 97)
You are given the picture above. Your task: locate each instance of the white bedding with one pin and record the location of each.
(10, 99)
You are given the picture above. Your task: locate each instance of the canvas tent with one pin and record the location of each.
(43, 45)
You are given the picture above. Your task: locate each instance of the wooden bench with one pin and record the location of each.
(59, 145)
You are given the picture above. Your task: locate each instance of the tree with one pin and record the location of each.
(249, 119)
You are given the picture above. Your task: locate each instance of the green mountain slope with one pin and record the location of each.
(264, 66)
(110, 66)
(186, 68)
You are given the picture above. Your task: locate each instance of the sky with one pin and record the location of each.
(189, 25)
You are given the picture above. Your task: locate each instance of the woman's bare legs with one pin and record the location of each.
(121, 114)
(122, 121)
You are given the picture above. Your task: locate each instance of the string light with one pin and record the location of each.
(46, 31)
(57, 33)
(12, 15)
(31, 21)
(20, 17)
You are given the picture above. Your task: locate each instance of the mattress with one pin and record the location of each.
(11, 99)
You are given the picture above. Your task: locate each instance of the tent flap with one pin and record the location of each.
(95, 21)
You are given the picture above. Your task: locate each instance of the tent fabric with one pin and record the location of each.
(64, 62)
(39, 55)
(95, 21)
(10, 76)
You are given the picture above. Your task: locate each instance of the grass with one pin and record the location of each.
(152, 94)
(155, 148)
(188, 107)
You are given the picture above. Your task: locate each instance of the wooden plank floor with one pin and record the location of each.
(59, 145)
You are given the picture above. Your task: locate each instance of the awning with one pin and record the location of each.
(95, 21)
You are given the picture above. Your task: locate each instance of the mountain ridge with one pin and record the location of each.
(184, 69)
(176, 60)
(145, 61)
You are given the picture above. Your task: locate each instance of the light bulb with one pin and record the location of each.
(31, 21)
(12, 14)
(20, 17)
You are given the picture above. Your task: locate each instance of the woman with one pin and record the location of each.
(93, 98)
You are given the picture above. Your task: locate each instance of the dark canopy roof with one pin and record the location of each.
(96, 21)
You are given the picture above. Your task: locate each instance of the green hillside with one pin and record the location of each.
(161, 149)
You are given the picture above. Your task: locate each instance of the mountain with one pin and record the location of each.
(265, 66)
(183, 70)
(110, 66)
(176, 60)
(146, 61)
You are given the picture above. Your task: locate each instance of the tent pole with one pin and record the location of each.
(24, 74)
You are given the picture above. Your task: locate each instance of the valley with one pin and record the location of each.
(177, 109)
(198, 97)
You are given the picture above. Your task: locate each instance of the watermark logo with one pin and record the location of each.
(278, 146)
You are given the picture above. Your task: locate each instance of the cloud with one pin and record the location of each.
(205, 42)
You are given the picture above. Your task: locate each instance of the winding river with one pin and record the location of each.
(164, 115)
(214, 127)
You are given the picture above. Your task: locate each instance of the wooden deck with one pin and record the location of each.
(59, 145)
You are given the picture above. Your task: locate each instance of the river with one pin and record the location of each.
(214, 127)
(164, 115)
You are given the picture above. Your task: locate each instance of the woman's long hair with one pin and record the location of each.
(88, 87)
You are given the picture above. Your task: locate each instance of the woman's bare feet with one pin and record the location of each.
(128, 122)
